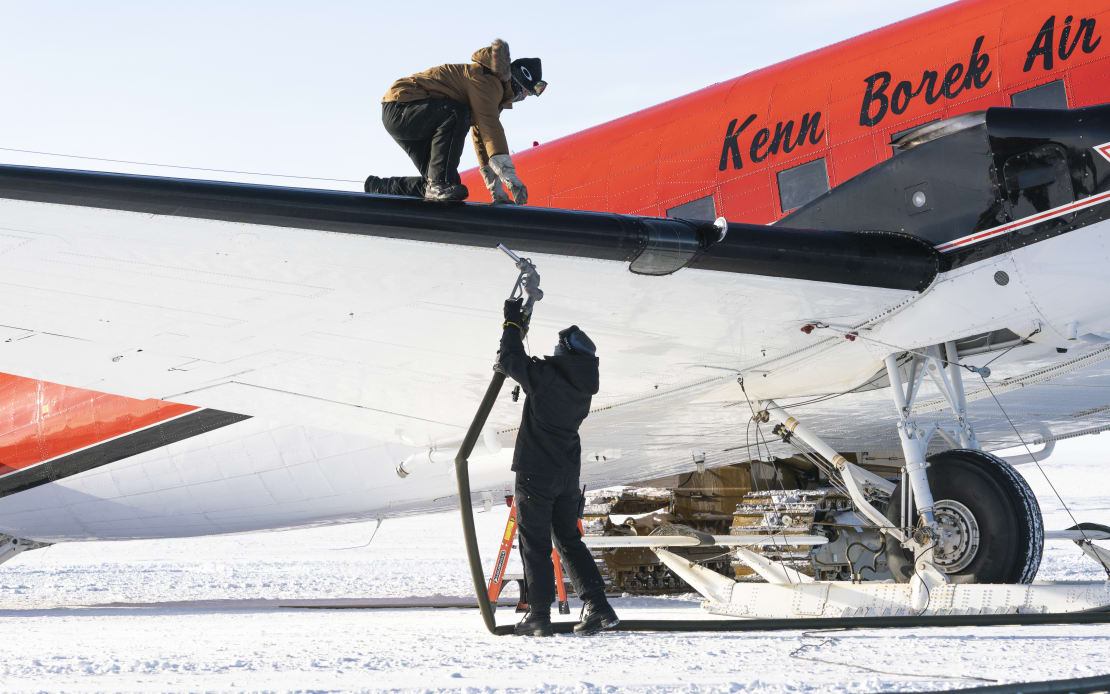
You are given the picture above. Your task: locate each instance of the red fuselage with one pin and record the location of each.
(739, 143)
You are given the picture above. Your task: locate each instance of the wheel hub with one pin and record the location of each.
(958, 536)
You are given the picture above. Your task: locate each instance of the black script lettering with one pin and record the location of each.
(976, 65)
(957, 78)
(875, 94)
(811, 125)
(731, 147)
(758, 141)
(1063, 51)
(1042, 46)
(929, 78)
(782, 137)
(788, 136)
(1087, 31)
(900, 98)
(951, 79)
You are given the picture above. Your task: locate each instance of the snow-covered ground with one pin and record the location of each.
(204, 614)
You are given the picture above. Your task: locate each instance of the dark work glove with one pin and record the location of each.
(513, 311)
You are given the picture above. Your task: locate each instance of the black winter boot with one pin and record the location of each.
(534, 624)
(445, 191)
(597, 614)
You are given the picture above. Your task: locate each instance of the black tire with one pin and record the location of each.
(1011, 532)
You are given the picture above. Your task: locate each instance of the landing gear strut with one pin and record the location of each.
(977, 518)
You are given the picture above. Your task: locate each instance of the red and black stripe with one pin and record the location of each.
(150, 438)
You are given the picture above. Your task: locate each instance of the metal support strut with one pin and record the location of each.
(10, 547)
(862, 485)
(941, 365)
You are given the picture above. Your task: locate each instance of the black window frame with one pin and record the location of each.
(805, 197)
(691, 209)
(1037, 92)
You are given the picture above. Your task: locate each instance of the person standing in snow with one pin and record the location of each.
(547, 461)
(429, 113)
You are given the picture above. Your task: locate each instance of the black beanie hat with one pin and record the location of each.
(528, 72)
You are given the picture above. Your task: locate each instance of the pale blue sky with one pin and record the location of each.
(285, 87)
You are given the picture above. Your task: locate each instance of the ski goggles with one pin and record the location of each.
(520, 91)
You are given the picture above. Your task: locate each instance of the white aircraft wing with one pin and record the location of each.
(287, 303)
(381, 316)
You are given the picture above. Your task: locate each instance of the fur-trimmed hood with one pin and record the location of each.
(495, 58)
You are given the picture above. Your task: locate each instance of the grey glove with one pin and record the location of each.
(502, 165)
(493, 185)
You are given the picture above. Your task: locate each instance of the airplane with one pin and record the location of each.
(912, 275)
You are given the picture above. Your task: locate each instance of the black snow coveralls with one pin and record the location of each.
(547, 461)
(432, 132)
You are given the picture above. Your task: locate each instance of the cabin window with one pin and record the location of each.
(699, 209)
(803, 183)
(1051, 95)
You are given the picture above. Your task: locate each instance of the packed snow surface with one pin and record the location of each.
(206, 614)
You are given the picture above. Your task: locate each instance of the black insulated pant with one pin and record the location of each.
(432, 132)
(547, 509)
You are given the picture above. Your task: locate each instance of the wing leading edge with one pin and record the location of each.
(863, 258)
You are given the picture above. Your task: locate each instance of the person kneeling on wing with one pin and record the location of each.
(547, 461)
(429, 113)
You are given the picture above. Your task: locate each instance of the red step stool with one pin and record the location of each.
(497, 580)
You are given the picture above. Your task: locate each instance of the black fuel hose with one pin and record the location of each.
(812, 623)
(1081, 685)
(462, 477)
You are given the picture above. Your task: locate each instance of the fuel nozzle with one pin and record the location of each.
(527, 285)
(527, 282)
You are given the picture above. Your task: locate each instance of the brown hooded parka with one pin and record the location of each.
(482, 85)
